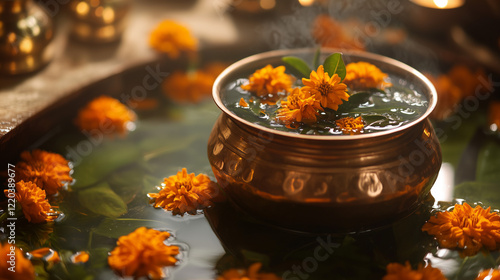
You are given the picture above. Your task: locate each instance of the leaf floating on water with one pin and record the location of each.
(354, 101)
(371, 119)
(334, 64)
(102, 200)
(474, 191)
(298, 64)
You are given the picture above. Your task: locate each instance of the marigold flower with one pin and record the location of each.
(466, 228)
(214, 68)
(350, 125)
(143, 253)
(49, 171)
(184, 192)
(106, 115)
(330, 33)
(46, 254)
(23, 268)
(449, 95)
(269, 80)
(80, 257)
(172, 38)
(328, 90)
(193, 87)
(32, 199)
(243, 103)
(362, 75)
(251, 274)
(396, 271)
(489, 274)
(299, 107)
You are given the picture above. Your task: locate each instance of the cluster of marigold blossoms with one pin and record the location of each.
(397, 271)
(173, 39)
(465, 228)
(320, 91)
(184, 193)
(143, 253)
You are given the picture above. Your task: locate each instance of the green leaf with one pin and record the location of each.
(127, 182)
(102, 200)
(370, 119)
(354, 101)
(114, 228)
(317, 54)
(335, 65)
(102, 160)
(484, 192)
(298, 64)
(488, 163)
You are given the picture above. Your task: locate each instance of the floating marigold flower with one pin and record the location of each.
(243, 103)
(362, 75)
(396, 271)
(466, 228)
(32, 199)
(299, 107)
(269, 80)
(251, 274)
(328, 90)
(106, 115)
(49, 171)
(489, 274)
(350, 125)
(80, 257)
(143, 253)
(449, 95)
(18, 269)
(183, 86)
(184, 193)
(173, 39)
(47, 254)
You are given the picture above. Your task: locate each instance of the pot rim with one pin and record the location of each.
(276, 53)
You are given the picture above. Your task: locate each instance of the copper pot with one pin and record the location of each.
(324, 184)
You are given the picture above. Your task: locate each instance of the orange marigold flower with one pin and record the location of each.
(184, 192)
(251, 274)
(489, 274)
(328, 90)
(46, 254)
(106, 115)
(80, 257)
(23, 268)
(466, 228)
(32, 199)
(494, 115)
(350, 125)
(243, 103)
(49, 171)
(396, 271)
(361, 75)
(214, 68)
(143, 253)
(299, 107)
(331, 34)
(172, 38)
(182, 86)
(269, 80)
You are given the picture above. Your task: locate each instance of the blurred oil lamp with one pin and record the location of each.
(98, 21)
(439, 4)
(26, 33)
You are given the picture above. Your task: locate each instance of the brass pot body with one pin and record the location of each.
(324, 184)
(26, 34)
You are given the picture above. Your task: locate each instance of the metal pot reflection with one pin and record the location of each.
(322, 184)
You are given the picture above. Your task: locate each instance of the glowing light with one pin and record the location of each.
(306, 2)
(108, 15)
(441, 3)
(267, 4)
(26, 45)
(82, 8)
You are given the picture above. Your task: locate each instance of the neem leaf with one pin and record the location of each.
(298, 64)
(354, 101)
(102, 200)
(370, 119)
(335, 65)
